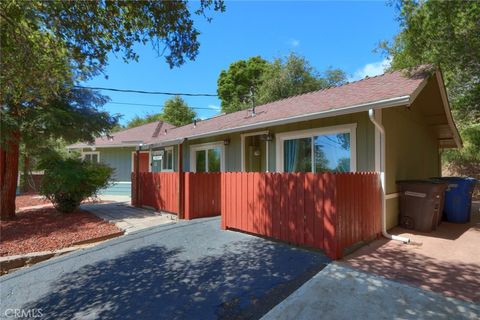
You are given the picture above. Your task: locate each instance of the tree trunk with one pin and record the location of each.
(9, 156)
(25, 183)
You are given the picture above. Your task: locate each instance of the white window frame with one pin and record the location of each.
(242, 147)
(207, 146)
(149, 160)
(84, 153)
(350, 128)
(165, 157)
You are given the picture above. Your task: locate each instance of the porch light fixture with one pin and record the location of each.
(226, 141)
(266, 137)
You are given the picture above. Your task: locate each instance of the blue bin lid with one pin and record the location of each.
(457, 179)
(429, 181)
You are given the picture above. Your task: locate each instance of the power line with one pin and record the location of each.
(156, 105)
(151, 92)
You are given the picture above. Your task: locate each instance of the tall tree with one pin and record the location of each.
(445, 34)
(49, 46)
(295, 75)
(138, 120)
(284, 77)
(175, 111)
(235, 84)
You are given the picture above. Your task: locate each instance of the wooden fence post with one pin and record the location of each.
(137, 177)
(188, 195)
(181, 184)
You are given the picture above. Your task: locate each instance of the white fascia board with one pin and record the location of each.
(102, 146)
(379, 104)
(162, 144)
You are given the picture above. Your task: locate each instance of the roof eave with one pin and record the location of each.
(71, 147)
(379, 104)
(448, 112)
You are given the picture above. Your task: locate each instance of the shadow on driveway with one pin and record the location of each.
(247, 279)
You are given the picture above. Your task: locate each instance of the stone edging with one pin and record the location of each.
(10, 263)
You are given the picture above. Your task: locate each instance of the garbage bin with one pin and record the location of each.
(420, 203)
(458, 198)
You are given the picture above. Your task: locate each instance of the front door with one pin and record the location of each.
(255, 154)
(144, 162)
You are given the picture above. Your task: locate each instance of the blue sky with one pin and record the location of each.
(329, 34)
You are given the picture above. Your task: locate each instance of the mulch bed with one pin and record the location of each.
(34, 199)
(47, 229)
(29, 200)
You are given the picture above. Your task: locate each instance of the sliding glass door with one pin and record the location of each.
(207, 158)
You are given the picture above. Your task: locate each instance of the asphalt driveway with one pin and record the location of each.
(191, 270)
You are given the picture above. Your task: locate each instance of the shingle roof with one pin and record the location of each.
(349, 97)
(131, 137)
(390, 85)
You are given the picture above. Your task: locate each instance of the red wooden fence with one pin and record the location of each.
(202, 195)
(326, 211)
(158, 190)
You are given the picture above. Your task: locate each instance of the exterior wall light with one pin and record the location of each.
(266, 137)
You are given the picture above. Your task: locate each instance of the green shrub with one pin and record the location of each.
(67, 182)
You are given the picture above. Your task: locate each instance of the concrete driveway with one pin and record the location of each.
(189, 270)
(342, 293)
(128, 218)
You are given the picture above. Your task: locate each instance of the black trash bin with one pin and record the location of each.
(421, 203)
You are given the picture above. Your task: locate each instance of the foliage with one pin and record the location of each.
(138, 121)
(175, 111)
(50, 46)
(293, 76)
(69, 181)
(445, 34)
(234, 84)
(284, 77)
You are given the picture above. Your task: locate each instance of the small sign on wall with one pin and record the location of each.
(157, 158)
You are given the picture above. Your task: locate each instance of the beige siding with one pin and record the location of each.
(365, 141)
(411, 152)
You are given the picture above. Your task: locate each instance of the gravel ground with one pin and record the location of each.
(28, 200)
(46, 229)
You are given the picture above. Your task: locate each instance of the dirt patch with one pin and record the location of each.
(47, 229)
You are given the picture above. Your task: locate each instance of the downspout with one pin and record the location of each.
(381, 129)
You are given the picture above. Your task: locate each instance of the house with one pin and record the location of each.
(396, 123)
(117, 149)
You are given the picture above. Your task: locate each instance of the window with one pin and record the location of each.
(319, 150)
(207, 157)
(162, 160)
(167, 161)
(91, 156)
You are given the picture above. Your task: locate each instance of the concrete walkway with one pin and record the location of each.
(339, 292)
(446, 261)
(129, 218)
